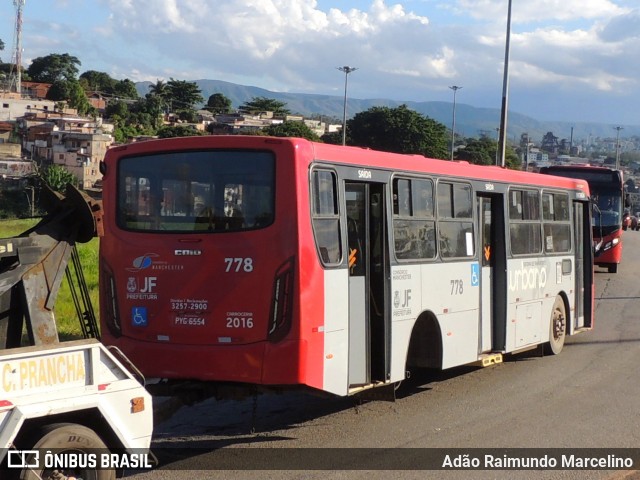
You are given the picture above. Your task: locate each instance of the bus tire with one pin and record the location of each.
(613, 268)
(557, 328)
(67, 437)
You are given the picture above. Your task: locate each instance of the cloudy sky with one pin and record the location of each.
(573, 60)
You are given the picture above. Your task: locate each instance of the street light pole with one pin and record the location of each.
(455, 89)
(347, 71)
(618, 147)
(505, 93)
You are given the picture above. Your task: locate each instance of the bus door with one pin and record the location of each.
(493, 279)
(583, 269)
(368, 322)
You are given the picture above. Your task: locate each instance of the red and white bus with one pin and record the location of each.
(607, 191)
(281, 262)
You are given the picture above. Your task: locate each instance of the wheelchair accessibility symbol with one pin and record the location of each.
(475, 274)
(139, 316)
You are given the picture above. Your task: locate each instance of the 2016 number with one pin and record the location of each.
(238, 264)
(239, 322)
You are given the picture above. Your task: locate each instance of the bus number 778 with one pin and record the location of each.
(238, 264)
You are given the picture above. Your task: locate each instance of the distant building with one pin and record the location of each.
(16, 168)
(13, 108)
(35, 90)
(6, 128)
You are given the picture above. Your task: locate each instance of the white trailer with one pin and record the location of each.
(75, 399)
(74, 409)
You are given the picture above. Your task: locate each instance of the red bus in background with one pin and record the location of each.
(281, 262)
(607, 191)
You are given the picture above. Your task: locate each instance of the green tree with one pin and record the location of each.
(125, 89)
(159, 92)
(93, 81)
(151, 105)
(72, 93)
(58, 91)
(122, 131)
(117, 107)
(183, 95)
(399, 130)
(218, 103)
(334, 138)
(57, 177)
(54, 67)
(291, 129)
(78, 99)
(264, 104)
(159, 89)
(483, 151)
(178, 131)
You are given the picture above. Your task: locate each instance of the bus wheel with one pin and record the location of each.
(68, 437)
(557, 328)
(613, 268)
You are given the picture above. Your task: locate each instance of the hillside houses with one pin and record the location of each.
(78, 144)
(49, 137)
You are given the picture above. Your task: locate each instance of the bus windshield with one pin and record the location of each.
(610, 205)
(196, 191)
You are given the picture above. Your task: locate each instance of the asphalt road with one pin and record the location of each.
(586, 397)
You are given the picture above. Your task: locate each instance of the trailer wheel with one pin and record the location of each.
(557, 328)
(67, 437)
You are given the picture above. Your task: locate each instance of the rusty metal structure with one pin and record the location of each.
(34, 263)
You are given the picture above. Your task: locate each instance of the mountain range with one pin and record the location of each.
(470, 121)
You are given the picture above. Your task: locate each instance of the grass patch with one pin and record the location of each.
(14, 227)
(68, 323)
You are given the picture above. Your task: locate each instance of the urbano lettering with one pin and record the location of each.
(527, 278)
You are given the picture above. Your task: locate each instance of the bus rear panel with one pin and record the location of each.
(199, 271)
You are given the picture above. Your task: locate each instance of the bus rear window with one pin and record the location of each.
(196, 191)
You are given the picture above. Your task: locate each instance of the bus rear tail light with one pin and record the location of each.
(281, 302)
(112, 319)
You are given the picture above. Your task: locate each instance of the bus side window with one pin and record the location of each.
(413, 219)
(455, 226)
(524, 218)
(557, 222)
(325, 216)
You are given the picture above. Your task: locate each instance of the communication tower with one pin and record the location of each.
(15, 74)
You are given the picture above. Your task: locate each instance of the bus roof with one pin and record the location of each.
(348, 155)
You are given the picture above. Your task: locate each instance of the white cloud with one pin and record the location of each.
(405, 50)
(540, 10)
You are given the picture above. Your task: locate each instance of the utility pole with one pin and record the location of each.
(505, 93)
(347, 71)
(455, 89)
